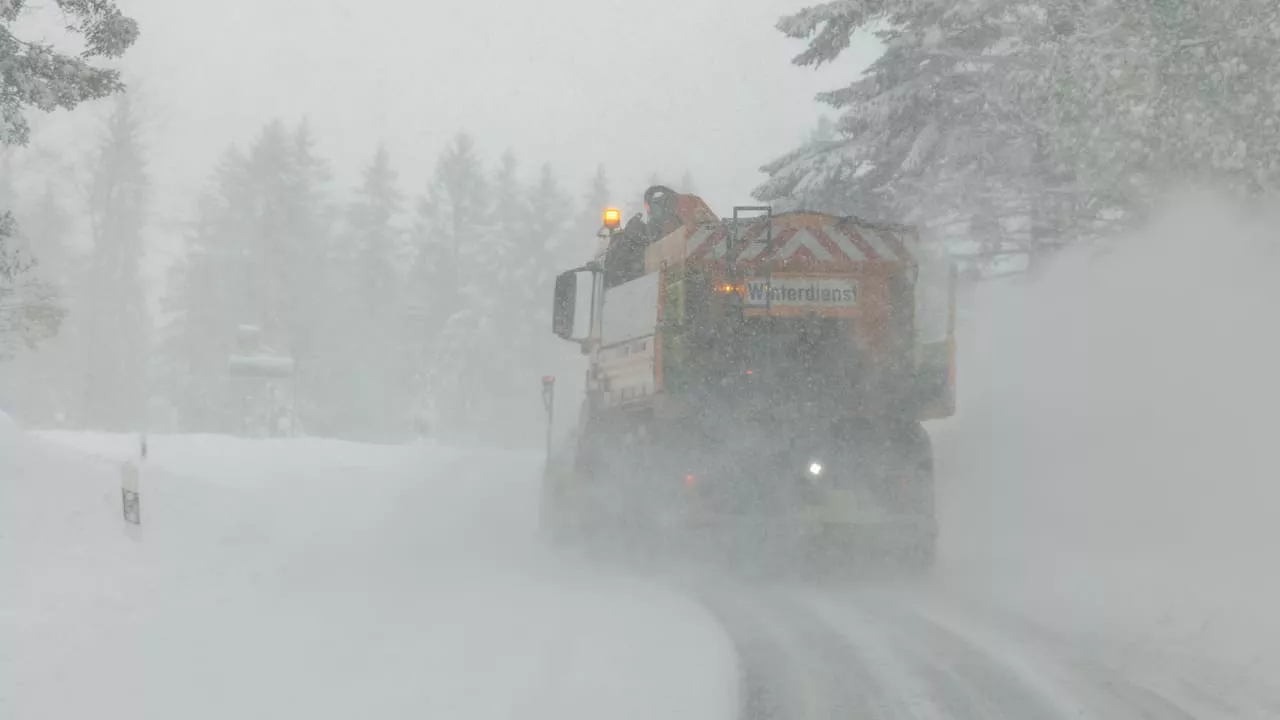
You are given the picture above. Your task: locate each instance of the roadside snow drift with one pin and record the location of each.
(1113, 467)
(314, 579)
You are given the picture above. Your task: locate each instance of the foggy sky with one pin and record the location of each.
(661, 86)
(664, 85)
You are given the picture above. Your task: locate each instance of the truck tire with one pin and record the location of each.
(918, 551)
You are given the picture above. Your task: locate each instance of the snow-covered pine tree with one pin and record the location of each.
(375, 235)
(1228, 54)
(259, 255)
(307, 217)
(30, 310)
(510, 250)
(37, 76)
(509, 238)
(598, 196)
(111, 321)
(47, 225)
(452, 219)
(823, 131)
(550, 224)
(1156, 93)
(372, 355)
(8, 193)
(919, 138)
(430, 299)
(270, 250)
(274, 263)
(14, 256)
(41, 391)
(205, 302)
(558, 246)
(492, 330)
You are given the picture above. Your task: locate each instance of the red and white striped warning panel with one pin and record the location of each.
(804, 239)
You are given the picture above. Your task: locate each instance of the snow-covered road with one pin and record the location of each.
(916, 651)
(1106, 495)
(318, 580)
(330, 580)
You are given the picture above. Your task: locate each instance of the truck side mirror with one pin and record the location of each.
(571, 307)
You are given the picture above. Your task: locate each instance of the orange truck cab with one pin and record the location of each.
(760, 370)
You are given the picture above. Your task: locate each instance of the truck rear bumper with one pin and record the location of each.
(802, 526)
(806, 538)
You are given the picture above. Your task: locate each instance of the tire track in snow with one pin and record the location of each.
(775, 678)
(813, 654)
(980, 684)
(1078, 685)
(965, 684)
(796, 663)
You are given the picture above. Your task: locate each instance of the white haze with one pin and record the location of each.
(1112, 466)
(1108, 476)
(661, 86)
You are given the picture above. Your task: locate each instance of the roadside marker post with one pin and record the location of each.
(130, 498)
(129, 493)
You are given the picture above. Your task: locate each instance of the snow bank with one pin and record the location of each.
(69, 576)
(318, 579)
(1112, 469)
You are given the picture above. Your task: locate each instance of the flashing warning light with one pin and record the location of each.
(613, 218)
(730, 288)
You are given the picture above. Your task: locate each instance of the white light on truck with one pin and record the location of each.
(815, 468)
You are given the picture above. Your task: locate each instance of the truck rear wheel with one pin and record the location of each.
(918, 553)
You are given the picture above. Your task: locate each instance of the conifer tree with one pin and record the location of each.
(372, 357)
(37, 76)
(448, 273)
(598, 196)
(111, 320)
(918, 138)
(206, 301)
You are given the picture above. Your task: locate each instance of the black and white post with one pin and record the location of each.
(131, 500)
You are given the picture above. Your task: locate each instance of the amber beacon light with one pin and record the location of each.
(613, 218)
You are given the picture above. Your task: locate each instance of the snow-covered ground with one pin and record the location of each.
(1107, 496)
(1112, 472)
(320, 579)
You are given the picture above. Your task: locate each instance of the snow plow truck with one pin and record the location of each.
(756, 386)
